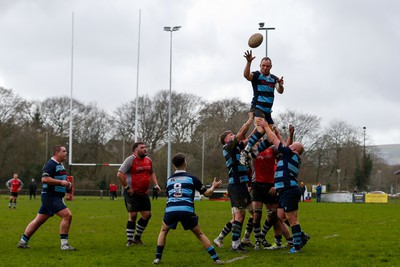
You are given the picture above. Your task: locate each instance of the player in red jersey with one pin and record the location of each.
(263, 192)
(14, 185)
(135, 175)
(113, 191)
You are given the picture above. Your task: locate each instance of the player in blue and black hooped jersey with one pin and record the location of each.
(181, 187)
(287, 185)
(55, 185)
(238, 180)
(264, 84)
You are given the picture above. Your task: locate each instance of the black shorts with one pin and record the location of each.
(51, 204)
(289, 199)
(137, 202)
(260, 193)
(258, 113)
(14, 194)
(188, 220)
(239, 196)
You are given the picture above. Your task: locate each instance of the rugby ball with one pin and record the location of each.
(255, 40)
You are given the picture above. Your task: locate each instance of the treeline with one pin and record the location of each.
(29, 130)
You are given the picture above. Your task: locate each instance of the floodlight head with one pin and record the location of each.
(261, 24)
(176, 28)
(168, 29)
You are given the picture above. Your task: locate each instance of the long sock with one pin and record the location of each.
(213, 253)
(257, 232)
(9, 204)
(266, 228)
(249, 228)
(296, 233)
(253, 139)
(236, 231)
(278, 240)
(290, 241)
(159, 252)
(64, 239)
(130, 230)
(140, 227)
(263, 145)
(225, 231)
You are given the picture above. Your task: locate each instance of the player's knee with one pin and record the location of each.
(257, 215)
(67, 217)
(258, 211)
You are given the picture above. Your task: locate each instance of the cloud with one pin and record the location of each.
(339, 58)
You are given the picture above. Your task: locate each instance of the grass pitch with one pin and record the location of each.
(341, 235)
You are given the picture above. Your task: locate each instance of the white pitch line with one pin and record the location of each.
(331, 236)
(235, 259)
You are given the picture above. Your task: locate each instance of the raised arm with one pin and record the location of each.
(215, 185)
(272, 138)
(249, 58)
(241, 135)
(279, 87)
(278, 135)
(290, 139)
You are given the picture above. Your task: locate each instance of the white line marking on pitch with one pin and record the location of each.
(331, 236)
(235, 259)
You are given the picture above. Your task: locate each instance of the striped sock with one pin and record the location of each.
(225, 231)
(130, 230)
(236, 231)
(296, 233)
(140, 227)
(249, 228)
(213, 253)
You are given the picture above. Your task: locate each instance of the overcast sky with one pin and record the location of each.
(340, 59)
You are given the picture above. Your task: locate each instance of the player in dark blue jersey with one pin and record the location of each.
(238, 180)
(286, 183)
(181, 187)
(264, 84)
(55, 185)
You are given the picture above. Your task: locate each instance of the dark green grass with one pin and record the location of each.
(341, 235)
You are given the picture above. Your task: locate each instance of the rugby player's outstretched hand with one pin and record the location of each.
(216, 184)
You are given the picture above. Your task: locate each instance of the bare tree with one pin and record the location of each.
(55, 113)
(185, 114)
(341, 154)
(307, 127)
(215, 118)
(21, 145)
(13, 109)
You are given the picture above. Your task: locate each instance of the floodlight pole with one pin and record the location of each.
(261, 24)
(70, 104)
(137, 82)
(364, 177)
(170, 29)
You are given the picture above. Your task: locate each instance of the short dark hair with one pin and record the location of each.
(57, 149)
(135, 145)
(178, 160)
(266, 58)
(223, 135)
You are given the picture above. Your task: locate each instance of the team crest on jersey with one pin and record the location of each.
(59, 168)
